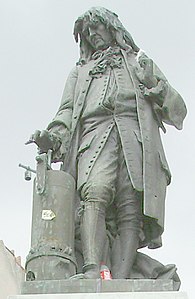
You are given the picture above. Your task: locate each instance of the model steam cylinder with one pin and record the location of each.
(52, 238)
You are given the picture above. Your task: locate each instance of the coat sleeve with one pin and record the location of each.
(173, 109)
(64, 114)
(168, 105)
(61, 123)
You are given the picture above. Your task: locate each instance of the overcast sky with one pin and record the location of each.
(36, 54)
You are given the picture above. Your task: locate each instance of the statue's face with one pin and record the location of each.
(98, 36)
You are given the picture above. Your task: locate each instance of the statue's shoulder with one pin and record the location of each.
(84, 69)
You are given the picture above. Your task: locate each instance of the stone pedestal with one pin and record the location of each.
(100, 289)
(118, 295)
(97, 286)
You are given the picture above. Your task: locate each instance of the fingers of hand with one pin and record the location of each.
(34, 137)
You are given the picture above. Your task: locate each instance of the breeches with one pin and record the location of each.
(109, 185)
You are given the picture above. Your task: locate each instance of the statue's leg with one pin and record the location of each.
(129, 241)
(128, 204)
(96, 194)
(93, 236)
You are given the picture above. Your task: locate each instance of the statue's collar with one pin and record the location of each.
(110, 51)
(111, 57)
(103, 59)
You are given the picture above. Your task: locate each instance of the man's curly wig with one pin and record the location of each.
(120, 35)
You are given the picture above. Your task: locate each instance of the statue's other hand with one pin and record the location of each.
(157, 93)
(44, 140)
(145, 72)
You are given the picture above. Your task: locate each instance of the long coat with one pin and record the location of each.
(155, 173)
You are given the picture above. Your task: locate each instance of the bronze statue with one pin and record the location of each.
(106, 132)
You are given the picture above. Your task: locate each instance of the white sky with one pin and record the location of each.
(37, 51)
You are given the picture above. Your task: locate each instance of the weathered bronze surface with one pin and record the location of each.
(106, 133)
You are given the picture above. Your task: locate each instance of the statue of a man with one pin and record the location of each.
(106, 132)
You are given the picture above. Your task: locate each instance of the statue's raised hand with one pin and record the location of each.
(145, 72)
(45, 140)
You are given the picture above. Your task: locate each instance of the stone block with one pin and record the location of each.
(96, 286)
(11, 273)
(118, 295)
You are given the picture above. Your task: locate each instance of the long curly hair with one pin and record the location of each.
(120, 35)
